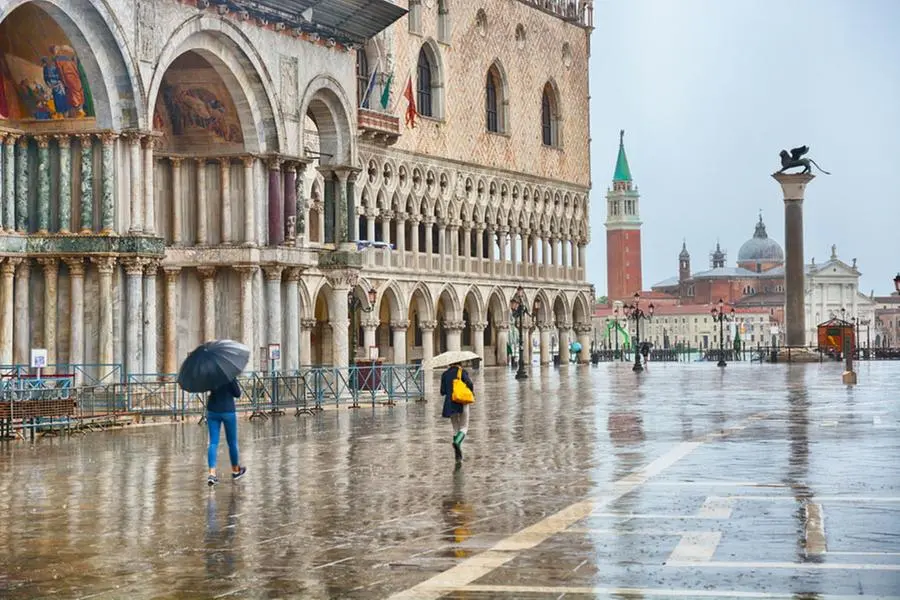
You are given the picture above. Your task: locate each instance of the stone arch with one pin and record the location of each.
(321, 340)
(100, 44)
(235, 59)
(306, 305)
(551, 114)
(326, 103)
(497, 302)
(448, 299)
(581, 312)
(473, 298)
(545, 310)
(420, 299)
(391, 297)
(561, 309)
(497, 98)
(436, 67)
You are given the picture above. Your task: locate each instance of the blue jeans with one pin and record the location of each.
(215, 420)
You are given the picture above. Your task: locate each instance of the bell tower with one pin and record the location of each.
(623, 232)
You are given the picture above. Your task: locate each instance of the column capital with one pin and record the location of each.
(427, 325)
(63, 140)
(582, 328)
(207, 271)
(273, 162)
(133, 136)
(400, 324)
(290, 166)
(75, 265)
(105, 264)
(293, 273)
(85, 138)
(151, 267)
(48, 263)
(401, 216)
(175, 161)
(11, 138)
(8, 265)
(501, 326)
(245, 270)
(108, 137)
(224, 161)
(150, 141)
(342, 278)
(371, 323)
(273, 272)
(454, 325)
(429, 220)
(479, 325)
(172, 273)
(308, 323)
(564, 326)
(248, 160)
(21, 140)
(134, 266)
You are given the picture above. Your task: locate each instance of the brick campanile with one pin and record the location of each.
(623, 232)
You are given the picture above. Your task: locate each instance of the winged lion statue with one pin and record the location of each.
(796, 159)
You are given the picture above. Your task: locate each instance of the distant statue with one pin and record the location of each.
(794, 159)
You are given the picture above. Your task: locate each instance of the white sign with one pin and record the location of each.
(373, 352)
(274, 351)
(38, 358)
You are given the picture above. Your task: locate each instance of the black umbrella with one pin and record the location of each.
(212, 365)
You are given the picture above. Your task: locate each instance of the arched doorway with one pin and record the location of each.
(321, 339)
(581, 320)
(563, 328)
(420, 335)
(392, 327)
(449, 321)
(496, 332)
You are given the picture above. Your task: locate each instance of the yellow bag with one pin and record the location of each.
(461, 393)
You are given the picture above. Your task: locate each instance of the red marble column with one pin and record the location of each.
(290, 203)
(276, 203)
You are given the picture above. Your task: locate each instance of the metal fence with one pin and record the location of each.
(105, 402)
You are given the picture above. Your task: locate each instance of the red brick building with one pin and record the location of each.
(623, 232)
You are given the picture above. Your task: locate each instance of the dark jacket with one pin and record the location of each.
(222, 399)
(451, 407)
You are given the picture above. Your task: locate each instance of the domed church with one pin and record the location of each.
(760, 253)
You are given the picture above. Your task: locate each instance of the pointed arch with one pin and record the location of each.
(562, 310)
(546, 308)
(420, 299)
(581, 312)
(551, 115)
(391, 293)
(498, 306)
(327, 104)
(496, 98)
(306, 306)
(430, 81)
(449, 299)
(473, 293)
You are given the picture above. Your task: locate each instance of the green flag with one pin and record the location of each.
(386, 92)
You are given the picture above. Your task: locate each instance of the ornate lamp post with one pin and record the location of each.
(635, 312)
(354, 304)
(718, 314)
(519, 310)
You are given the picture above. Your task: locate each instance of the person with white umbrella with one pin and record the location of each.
(458, 392)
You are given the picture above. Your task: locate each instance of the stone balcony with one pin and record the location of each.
(378, 127)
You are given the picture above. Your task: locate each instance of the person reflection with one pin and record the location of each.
(219, 541)
(458, 515)
(798, 457)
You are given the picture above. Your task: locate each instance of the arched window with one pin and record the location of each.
(549, 117)
(490, 102)
(362, 76)
(424, 84)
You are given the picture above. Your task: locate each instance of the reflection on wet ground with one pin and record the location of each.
(686, 481)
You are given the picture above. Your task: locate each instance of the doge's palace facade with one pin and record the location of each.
(176, 171)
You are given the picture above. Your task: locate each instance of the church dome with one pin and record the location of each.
(760, 248)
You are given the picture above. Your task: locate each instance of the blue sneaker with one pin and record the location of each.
(212, 480)
(239, 474)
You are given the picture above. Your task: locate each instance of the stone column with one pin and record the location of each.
(202, 202)
(427, 328)
(2, 181)
(454, 247)
(342, 281)
(535, 263)
(479, 241)
(137, 197)
(478, 338)
(398, 330)
(502, 341)
(273, 305)
(302, 207)
(564, 330)
(290, 203)
(467, 241)
(370, 326)
(87, 182)
(7, 308)
(151, 363)
(291, 352)
(545, 344)
(370, 225)
(584, 338)
(22, 323)
(170, 320)
(513, 250)
(386, 218)
(149, 195)
(176, 200)
(454, 334)
(66, 193)
(208, 277)
(249, 201)
(306, 327)
(107, 179)
(22, 185)
(546, 255)
(76, 314)
(9, 182)
(105, 267)
(225, 191)
(276, 202)
(554, 251)
(581, 256)
(50, 266)
(134, 303)
(793, 187)
(43, 184)
(247, 272)
(414, 234)
(349, 198)
(429, 240)
(502, 239)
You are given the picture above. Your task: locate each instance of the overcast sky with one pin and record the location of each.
(709, 91)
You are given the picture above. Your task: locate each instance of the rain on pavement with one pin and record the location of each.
(592, 482)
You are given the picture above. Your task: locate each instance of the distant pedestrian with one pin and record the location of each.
(645, 351)
(220, 411)
(457, 412)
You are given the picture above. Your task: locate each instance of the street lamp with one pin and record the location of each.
(519, 310)
(718, 314)
(635, 312)
(354, 304)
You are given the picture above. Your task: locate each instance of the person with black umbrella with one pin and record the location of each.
(213, 367)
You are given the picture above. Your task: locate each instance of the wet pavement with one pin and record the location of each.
(688, 481)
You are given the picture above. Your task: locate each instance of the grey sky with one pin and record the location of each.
(709, 92)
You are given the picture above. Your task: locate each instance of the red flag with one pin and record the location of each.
(411, 111)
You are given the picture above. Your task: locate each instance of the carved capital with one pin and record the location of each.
(427, 325)
(249, 160)
(48, 264)
(402, 324)
(75, 265)
(342, 278)
(454, 325)
(293, 274)
(246, 271)
(105, 264)
(86, 139)
(173, 274)
(272, 272)
(273, 163)
(370, 323)
(151, 267)
(479, 326)
(22, 141)
(8, 266)
(108, 137)
(134, 267)
(308, 323)
(150, 142)
(207, 271)
(401, 217)
(501, 326)
(64, 141)
(582, 328)
(175, 161)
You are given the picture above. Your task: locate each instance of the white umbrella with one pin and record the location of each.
(448, 358)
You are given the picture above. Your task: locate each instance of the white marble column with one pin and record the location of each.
(535, 262)
(584, 338)
(151, 362)
(370, 326)
(478, 338)
(370, 225)
(502, 341)
(22, 323)
(136, 192)
(76, 314)
(134, 303)
(225, 190)
(564, 354)
(306, 327)
(273, 306)
(400, 238)
(7, 308)
(454, 334)
(338, 314)
(291, 352)
(149, 193)
(398, 330)
(208, 277)
(582, 262)
(427, 328)
(247, 273)
(176, 201)
(202, 233)
(491, 238)
(545, 344)
(105, 267)
(170, 320)
(429, 240)
(50, 266)
(249, 201)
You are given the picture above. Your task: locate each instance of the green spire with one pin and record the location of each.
(623, 173)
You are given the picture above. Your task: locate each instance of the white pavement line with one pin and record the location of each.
(814, 529)
(716, 507)
(810, 566)
(873, 499)
(851, 553)
(657, 532)
(650, 592)
(628, 516)
(696, 546)
(715, 483)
